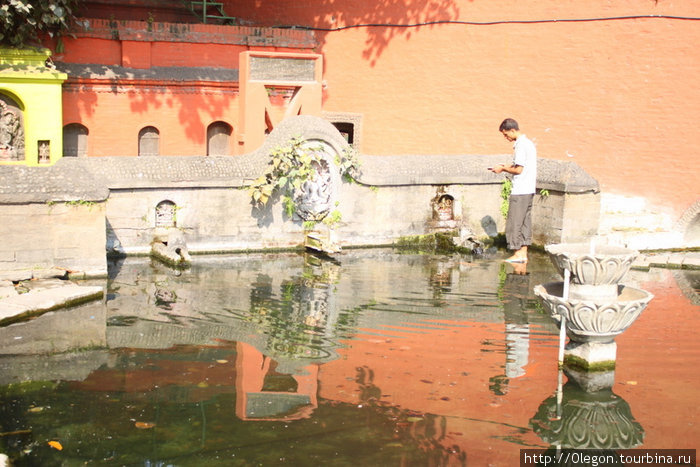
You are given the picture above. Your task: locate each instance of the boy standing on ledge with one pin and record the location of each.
(524, 171)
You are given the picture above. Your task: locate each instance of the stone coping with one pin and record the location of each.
(458, 169)
(91, 178)
(60, 182)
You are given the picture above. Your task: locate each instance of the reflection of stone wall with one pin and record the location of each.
(57, 332)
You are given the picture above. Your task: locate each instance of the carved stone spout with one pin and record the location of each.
(169, 246)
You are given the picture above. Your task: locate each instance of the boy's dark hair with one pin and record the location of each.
(508, 124)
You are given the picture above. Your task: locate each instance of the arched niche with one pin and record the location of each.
(12, 144)
(149, 141)
(75, 138)
(165, 214)
(219, 139)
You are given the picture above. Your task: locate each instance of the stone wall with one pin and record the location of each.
(51, 217)
(45, 235)
(69, 215)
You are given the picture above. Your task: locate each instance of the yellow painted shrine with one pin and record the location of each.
(31, 114)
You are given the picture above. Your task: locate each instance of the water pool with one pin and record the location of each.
(377, 358)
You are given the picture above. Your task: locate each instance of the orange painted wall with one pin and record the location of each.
(617, 96)
(181, 114)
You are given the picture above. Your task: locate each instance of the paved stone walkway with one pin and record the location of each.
(670, 260)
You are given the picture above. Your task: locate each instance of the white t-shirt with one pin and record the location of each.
(525, 155)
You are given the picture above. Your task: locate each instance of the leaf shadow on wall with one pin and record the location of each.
(197, 104)
(383, 21)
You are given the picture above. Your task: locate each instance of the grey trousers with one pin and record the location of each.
(519, 221)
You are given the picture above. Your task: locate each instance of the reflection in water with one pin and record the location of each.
(584, 420)
(264, 394)
(381, 359)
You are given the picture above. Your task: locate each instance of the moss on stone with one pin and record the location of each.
(580, 364)
(438, 242)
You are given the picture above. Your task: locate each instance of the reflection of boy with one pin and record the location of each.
(524, 171)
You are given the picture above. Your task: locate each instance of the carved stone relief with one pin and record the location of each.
(314, 199)
(11, 130)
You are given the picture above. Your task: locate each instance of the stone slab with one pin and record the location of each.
(48, 299)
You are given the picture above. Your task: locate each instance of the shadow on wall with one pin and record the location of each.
(345, 15)
(489, 225)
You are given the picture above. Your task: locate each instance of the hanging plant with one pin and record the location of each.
(506, 188)
(290, 167)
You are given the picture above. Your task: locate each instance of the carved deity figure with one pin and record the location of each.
(11, 134)
(314, 196)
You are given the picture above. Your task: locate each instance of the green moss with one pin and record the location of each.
(439, 242)
(578, 363)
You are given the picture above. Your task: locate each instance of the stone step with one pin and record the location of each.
(641, 240)
(642, 221)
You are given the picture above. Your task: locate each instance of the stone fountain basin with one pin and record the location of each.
(591, 320)
(592, 265)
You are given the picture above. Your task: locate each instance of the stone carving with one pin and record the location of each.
(592, 266)
(443, 208)
(165, 214)
(11, 133)
(44, 152)
(588, 321)
(603, 421)
(314, 198)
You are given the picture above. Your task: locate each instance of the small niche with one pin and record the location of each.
(165, 214)
(44, 148)
(444, 208)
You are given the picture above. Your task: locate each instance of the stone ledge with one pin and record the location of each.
(90, 178)
(39, 301)
(668, 260)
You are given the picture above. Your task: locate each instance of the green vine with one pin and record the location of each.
(333, 218)
(289, 167)
(348, 163)
(506, 188)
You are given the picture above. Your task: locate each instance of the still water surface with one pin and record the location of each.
(379, 358)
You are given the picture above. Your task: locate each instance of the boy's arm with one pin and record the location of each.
(511, 169)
